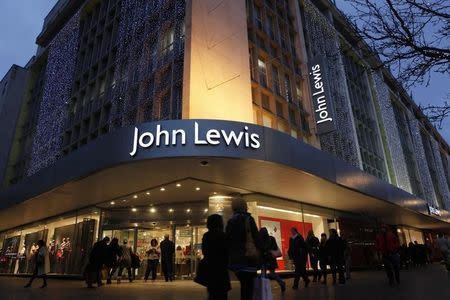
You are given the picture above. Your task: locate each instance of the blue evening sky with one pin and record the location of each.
(21, 21)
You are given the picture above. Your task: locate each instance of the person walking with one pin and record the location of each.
(167, 253)
(41, 266)
(270, 252)
(125, 262)
(153, 254)
(335, 249)
(215, 252)
(244, 246)
(387, 245)
(443, 246)
(347, 257)
(112, 258)
(298, 252)
(312, 242)
(323, 258)
(97, 258)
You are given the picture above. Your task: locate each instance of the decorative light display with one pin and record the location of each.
(56, 94)
(442, 182)
(322, 40)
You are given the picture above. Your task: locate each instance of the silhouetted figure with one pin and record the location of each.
(41, 266)
(153, 254)
(167, 255)
(298, 252)
(112, 258)
(443, 246)
(313, 250)
(215, 251)
(244, 247)
(125, 262)
(97, 258)
(387, 245)
(270, 253)
(335, 248)
(323, 258)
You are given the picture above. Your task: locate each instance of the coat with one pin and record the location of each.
(313, 243)
(167, 251)
(298, 250)
(236, 236)
(215, 251)
(125, 260)
(113, 252)
(269, 261)
(335, 249)
(42, 261)
(98, 255)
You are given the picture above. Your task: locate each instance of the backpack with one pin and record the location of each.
(135, 261)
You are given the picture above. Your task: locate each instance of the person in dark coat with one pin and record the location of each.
(244, 247)
(323, 258)
(215, 251)
(112, 258)
(313, 243)
(387, 245)
(335, 248)
(97, 258)
(270, 247)
(167, 255)
(298, 252)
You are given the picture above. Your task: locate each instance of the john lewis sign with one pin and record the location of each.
(163, 137)
(323, 109)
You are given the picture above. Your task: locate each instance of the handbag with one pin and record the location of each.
(262, 289)
(251, 252)
(201, 277)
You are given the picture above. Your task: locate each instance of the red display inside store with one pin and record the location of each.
(281, 230)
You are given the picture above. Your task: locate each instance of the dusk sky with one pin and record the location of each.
(21, 21)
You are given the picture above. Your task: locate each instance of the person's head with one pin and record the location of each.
(166, 236)
(238, 205)
(41, 243)
(214, 223)
(115, 241)
(441, 235)
(153, 243)
(179, 248)
(323, 237)
(125, 241)
(106, 239)
(264, 233)
(311, 233)
(294, 231)
(333, 233)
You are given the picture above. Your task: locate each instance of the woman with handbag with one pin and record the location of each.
(212, 271)
(270, 254)
(42, 266)
(244, 247)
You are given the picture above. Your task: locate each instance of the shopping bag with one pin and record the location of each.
(262, 289)
(202, 273)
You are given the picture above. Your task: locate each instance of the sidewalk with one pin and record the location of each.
(431, 282)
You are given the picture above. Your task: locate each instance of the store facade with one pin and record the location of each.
(159, 178)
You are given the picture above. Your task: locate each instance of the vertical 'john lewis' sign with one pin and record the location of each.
(320, 94)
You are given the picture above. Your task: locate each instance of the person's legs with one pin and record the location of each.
(296, 276)
(164, 270)
(44, 279)
(304, 274)
(33, 276)
(247, 280)
(314, 265)
(323, 271)
(147, 269)
(154, 267)
(130, 274)
(274, 276)
(217, 295)
(341, 267)
(98, 273)
(333, 267)
(388, 267)
(395, 260)
(348, 263)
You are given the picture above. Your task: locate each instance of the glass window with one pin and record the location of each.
(167, 41)
(258, 17)
(267, 120)
(276, 80)
(287, 87)
(279, 108)
(265, 102)
(262, 71)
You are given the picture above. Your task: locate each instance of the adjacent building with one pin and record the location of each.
(141, 118)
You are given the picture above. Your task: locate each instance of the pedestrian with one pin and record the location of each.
(443, 246)
(125, 262)
(97, 258)
(335, 249)
(244, 246)
(312, 242)
(41, 266)
(412, 253)
(270, 252)
(298, 252)
(112, 260)
(215, 261)
(323, 257)
(153, 254)
(167, 255)
(387, 245)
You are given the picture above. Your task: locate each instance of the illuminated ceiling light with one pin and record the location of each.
(152, 210)
(178, 185)
(162, 189)
(197, 189)
(112, 202)
(135, 196)
(124, 200)
(135, 224)
(171, 210)
(95, 212)
(134, 209)
(287, 211)
(147, 193)
(215, 193)
(205, 210)
(188, 210)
